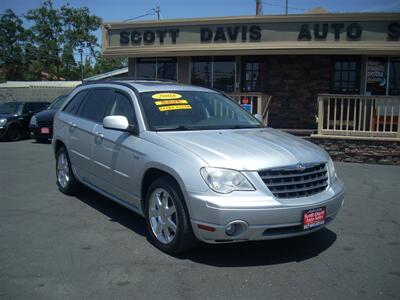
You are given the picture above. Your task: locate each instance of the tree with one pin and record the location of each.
(57, 33)
(12, 37)
(108, 64)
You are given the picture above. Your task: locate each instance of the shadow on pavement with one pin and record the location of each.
(260, 253)
(114, 211)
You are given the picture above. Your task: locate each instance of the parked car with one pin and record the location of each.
(41, 124)
(15, 117)
(193, 163)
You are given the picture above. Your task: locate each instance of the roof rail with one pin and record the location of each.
(132, 79)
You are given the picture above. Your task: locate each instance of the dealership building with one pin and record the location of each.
(340, 69)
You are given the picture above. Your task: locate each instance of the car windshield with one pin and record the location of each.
(11, 108)
(194, 110)
(58, 102)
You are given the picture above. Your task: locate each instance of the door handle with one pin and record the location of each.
(99, 136)
(71, 126)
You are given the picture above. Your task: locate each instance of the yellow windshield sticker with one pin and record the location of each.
(166, 96)
(174, 107)
(168, 102)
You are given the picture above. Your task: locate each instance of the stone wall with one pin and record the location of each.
(32, 94)
(361, 151)
(294, 81)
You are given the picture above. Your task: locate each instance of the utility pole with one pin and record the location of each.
(4, 59)
(286, 7)
(259, 9)
(157, 10)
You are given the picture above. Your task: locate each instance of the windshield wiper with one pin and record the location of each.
(176, 128)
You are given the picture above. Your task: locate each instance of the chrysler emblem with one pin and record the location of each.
(300, 167)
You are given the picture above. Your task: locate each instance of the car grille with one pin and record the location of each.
(45, 123)
(295, 182)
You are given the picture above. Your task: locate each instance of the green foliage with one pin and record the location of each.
(12, 38)
(52, 44)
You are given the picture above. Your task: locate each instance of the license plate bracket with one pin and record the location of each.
(314, 217)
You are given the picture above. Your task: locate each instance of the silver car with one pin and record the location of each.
(193, 163)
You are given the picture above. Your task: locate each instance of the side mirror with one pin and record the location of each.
(119, 123)
(259, 117)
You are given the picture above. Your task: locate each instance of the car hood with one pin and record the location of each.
(247, 149)
(46, 115)
(6, 116)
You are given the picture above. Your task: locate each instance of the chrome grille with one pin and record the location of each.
(297, 181)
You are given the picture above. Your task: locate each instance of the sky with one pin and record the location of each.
(119, 10)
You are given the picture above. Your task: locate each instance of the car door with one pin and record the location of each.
(81, 126)
(114, 154)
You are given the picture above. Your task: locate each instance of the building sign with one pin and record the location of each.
(260, 33)
(253, 33)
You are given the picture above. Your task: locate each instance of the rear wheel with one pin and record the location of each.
(14, 133)
(42, 140)
(66, 181)
(167, 219)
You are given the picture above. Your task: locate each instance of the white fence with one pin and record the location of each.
(363, 116)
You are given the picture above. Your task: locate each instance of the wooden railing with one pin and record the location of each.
(259, 102)
(362, 116)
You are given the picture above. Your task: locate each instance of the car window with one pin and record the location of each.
(11, 108)
(58, 102)
(95, 105)
(194, 110)
(34, 107)
(120, 105)
(73, 105)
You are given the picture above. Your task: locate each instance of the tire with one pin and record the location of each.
(42, 141)
(14, 133)
(165, 192)
(66, 181)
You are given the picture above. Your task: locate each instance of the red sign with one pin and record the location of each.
(314, 217)
(245, 101)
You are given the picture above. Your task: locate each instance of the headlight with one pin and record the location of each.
(225, 181)
(3, 122)
(331, 169)
(33, 121)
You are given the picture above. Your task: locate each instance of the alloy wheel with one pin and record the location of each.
(162, 216)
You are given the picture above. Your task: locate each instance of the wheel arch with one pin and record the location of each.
(152, 174)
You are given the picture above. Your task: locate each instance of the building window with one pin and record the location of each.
(383, 76)
(254, 74)
(224, 73)
(394, 76)
(345, 76)
(156, 68)
(201, 71)
(214, 72)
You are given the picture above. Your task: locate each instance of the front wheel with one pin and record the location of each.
(167, 219)
(66, 181)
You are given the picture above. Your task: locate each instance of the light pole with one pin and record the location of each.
(81, 53)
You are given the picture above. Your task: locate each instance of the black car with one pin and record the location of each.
(15, 117)
(41, 125)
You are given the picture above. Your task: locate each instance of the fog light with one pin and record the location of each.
(231, 229)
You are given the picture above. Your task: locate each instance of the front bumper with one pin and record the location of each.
(273, 219)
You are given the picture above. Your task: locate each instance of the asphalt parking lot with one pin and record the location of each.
(55, 246)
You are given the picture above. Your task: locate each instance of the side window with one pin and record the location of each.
(73, 105)
(95, 105)
(120, 105)
(27, 108)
